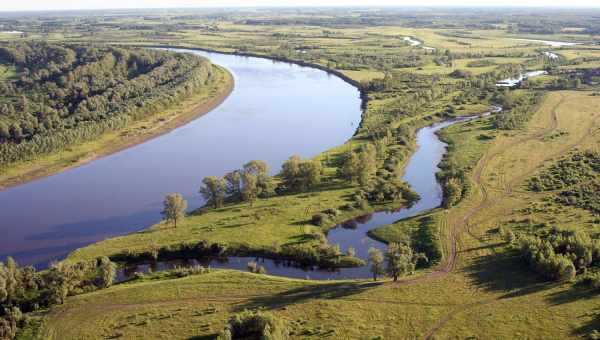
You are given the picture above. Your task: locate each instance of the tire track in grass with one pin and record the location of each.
(485, 202)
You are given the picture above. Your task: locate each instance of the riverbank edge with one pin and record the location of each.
(121, 143)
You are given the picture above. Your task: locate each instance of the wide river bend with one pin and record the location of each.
(276, 109)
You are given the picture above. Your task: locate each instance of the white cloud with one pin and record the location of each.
(109, 4)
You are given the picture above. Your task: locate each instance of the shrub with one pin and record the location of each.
(319, 219)
(255, 325)
(187, 271)
(593, 280)
(332, 212)
(558, 254)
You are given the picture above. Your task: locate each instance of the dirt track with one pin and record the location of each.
(505, 192)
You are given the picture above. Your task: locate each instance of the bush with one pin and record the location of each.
(558, 254)
(332, 212)
(319, 219)
(255, 325)
(593, 280)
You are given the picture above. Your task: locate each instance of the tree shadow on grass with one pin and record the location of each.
(573, 293)
(304, 293)
(506, 272)
(590, 326)
(204, 337)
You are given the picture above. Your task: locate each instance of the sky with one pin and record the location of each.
(36, 5)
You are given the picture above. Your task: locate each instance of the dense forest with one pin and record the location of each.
(61, 95)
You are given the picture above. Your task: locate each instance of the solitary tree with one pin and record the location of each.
(108, 272)
(213, 190)
(376, 260)
(174, 208)
(400, 260)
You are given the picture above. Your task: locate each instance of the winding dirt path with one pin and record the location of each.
(506, 191)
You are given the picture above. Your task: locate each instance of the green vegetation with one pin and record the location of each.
(255, 325)
(67, 95)
(576, 178)
(560, 254)
(517, 109)
(507, 180)
(174, 208)
(421, 234)
(23, 290)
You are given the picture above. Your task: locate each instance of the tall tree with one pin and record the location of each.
(234, 184)
(298, 174)
(376, 260)
(214, 190)
(350, 167)
(400, 260)
(261, 170)
(250, 187)
(174, 208)
(368, 164)
(108, 272)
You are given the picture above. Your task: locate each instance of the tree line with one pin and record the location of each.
(66, 94)
(23, 289)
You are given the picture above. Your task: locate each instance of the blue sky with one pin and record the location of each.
(11, 5)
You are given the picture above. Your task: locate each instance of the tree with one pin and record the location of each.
(400, 260)
(452, 192)
(174, 208)
(234, 184)
(250, 188)
(350, 167)
(290, 172)
(4, 131)
(300, 175)
(368, 164)
(108, 272)
(376, 260)
(261, 170)
(213, 191)
(310, 174)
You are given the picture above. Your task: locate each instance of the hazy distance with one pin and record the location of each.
(40, 5)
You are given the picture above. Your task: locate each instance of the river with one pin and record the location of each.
(276, 109)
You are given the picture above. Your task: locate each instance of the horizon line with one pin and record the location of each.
(304, 6)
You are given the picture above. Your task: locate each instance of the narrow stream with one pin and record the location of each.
(419, 173)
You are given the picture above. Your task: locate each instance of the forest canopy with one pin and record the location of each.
(61, 95)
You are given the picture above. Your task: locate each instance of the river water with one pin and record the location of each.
(276, 109)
